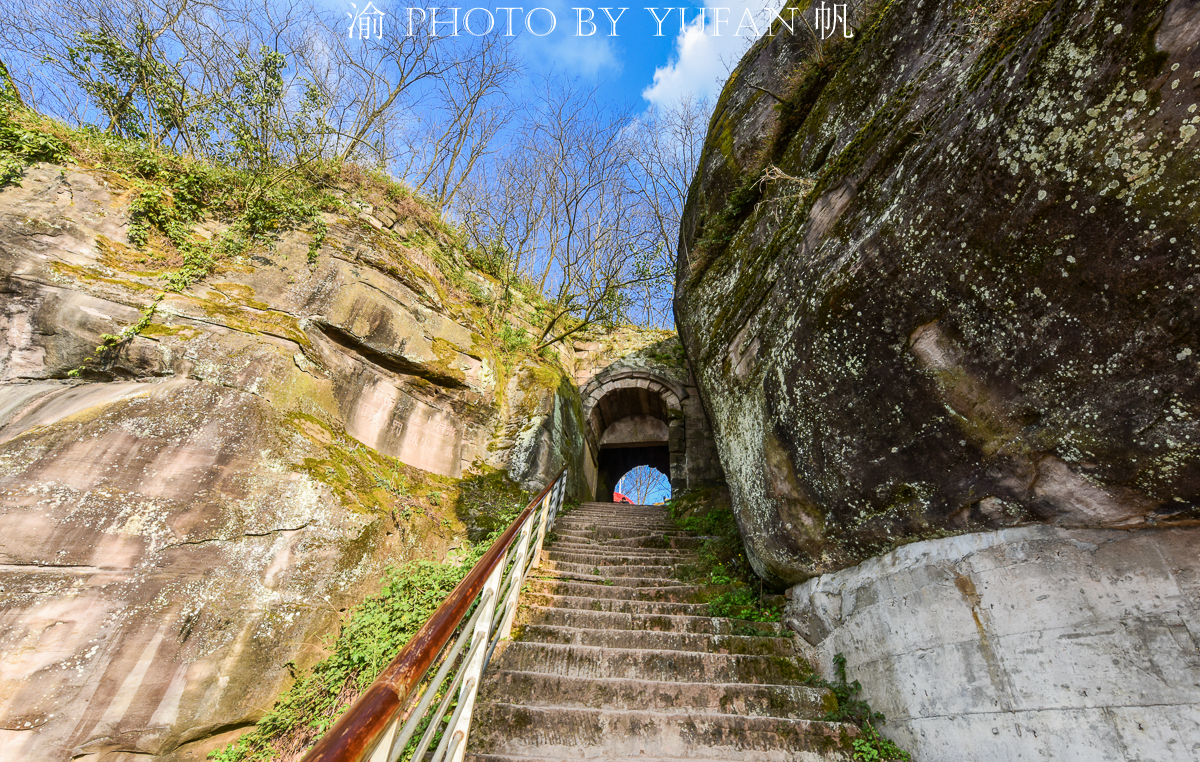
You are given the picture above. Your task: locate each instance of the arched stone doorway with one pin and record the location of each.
(635, 418)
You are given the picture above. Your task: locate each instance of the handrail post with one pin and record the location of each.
(541, 535)
(559, 494)
(383, 752)
(473, 669)
(375, 723)
(518, 579)
(550, 506)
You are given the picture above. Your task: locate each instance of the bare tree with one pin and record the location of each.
(641, 482)
(665, 148)
(447, 144)
(204, 75)
(561, 200)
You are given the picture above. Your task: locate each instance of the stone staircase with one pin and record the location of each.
(613, 659)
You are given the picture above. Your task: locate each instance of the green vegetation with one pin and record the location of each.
(370, 638)
(872, 747)
(734, 590)
(721, 560)
(488, 502)
(22, 143)
(375, 631)
(111, 343)
(743, 603)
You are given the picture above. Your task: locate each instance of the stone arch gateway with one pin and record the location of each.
(637, 416)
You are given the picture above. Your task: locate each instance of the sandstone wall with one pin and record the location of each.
(188, 517)
(1024, 643)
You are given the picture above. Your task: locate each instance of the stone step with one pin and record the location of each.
(687, 542)
(642, 514)
(619, 507)
(613, 659)
(612, 570)
(574, 733)
(615, 532)
(613, 620)
(586, 522)
(655, 518)
(615, 529)
(546, 572)
(647, 664)
(537, 689)
(614, 605)
(617, 551)
(658, 641)
(676, 593)
(614, 557)
(522, 758)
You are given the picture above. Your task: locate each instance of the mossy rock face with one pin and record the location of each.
(950, 283)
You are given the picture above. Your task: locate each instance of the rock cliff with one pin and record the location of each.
(943, 276)
(939, 283)
(183, 519)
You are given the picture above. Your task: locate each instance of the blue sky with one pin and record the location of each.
(636, 67)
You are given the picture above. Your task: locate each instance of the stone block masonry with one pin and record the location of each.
(1034, 643)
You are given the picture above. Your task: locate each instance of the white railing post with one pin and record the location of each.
(559, 494)
(518, 578)
(473, 669)
(383, 752)
(541, 533)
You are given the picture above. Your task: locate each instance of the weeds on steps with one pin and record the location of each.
(871, 747)
(734, 591)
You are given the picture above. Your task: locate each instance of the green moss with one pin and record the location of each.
(364, 479)
(488, 501)
(370, 637)
(184, 332)
(249, 318)
(447, 363)
(1004, 41)
(90, 275)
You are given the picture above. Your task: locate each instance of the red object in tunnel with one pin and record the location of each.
(619, 498)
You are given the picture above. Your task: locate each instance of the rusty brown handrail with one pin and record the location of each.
(357, 732)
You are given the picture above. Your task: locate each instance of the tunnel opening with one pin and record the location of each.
(631, 427)
(616, 462)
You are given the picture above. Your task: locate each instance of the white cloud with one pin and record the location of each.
(702, 59)
(562, 51)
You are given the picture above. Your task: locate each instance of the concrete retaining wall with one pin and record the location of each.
(1035, 643)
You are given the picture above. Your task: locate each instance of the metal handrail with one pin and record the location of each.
(374, 727)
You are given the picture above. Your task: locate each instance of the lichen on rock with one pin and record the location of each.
(949, 283)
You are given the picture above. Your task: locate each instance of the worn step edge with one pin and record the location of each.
(610, 570)
(545, 571)
(658, 641)
(615, 620)
(669, 697)
(511, 728)
(675, 593)
(619, 551)
(609, 559)
(648, 664)
(614, 605)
